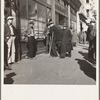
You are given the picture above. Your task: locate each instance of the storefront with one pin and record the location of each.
(39, 11)
(61, 11)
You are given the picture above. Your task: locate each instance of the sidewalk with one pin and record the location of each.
(77, 70)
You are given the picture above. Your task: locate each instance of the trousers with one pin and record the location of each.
(11, 49)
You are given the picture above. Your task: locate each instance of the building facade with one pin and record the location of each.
(89, 8)
(60, 11)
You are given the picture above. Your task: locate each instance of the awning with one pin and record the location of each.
(75, 4)
(82, 17)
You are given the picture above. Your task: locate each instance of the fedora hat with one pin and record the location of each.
(10, 17)
(49, 23)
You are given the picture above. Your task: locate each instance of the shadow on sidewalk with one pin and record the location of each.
(87, 68)
(85, 56)
(8, 79)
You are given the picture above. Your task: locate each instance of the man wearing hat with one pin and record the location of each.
(89, 30)
(47, 38)
(66, 43)
(9, 38)
(31, 43)
(54, 33)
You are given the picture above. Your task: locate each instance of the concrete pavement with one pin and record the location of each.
(77, 70)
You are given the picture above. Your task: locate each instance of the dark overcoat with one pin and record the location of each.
(31, 43)
(66, 43)
(88, 32)
(55, 32)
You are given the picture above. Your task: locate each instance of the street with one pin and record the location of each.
(77, 70)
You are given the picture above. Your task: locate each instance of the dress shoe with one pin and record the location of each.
(62, 57)
(7, 68)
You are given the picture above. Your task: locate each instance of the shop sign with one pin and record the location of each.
(61, 9)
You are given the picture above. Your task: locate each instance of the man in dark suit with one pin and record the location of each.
(90, 38)
(54, 38)
(66, 43)
(9, 38)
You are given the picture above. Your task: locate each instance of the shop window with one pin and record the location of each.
(32, 10)
(23, 12)
(41, 13)
(37, 12)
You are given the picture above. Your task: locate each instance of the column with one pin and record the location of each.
(68, 15)
(18, 27)
(53, 10)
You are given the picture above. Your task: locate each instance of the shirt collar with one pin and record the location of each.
(9, 24)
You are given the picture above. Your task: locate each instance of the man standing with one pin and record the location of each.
(31, 43)
(53, 34)
(92, 41)
(9, 37)
(47, 38)
(66, 43)
(90, 38)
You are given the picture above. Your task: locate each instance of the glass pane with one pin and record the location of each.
(36, 25)
(23, 12)
(32, 9)
(42, 26)
(48, 13)
(41, 13)
(41, 29)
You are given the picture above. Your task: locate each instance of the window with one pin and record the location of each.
(41, 12)
(87, 1)
(87, 11)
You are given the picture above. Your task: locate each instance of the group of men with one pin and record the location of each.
(58, 40)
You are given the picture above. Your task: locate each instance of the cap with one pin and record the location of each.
(31, 22)
(10, 17)
(51, 22)
(65, 24)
